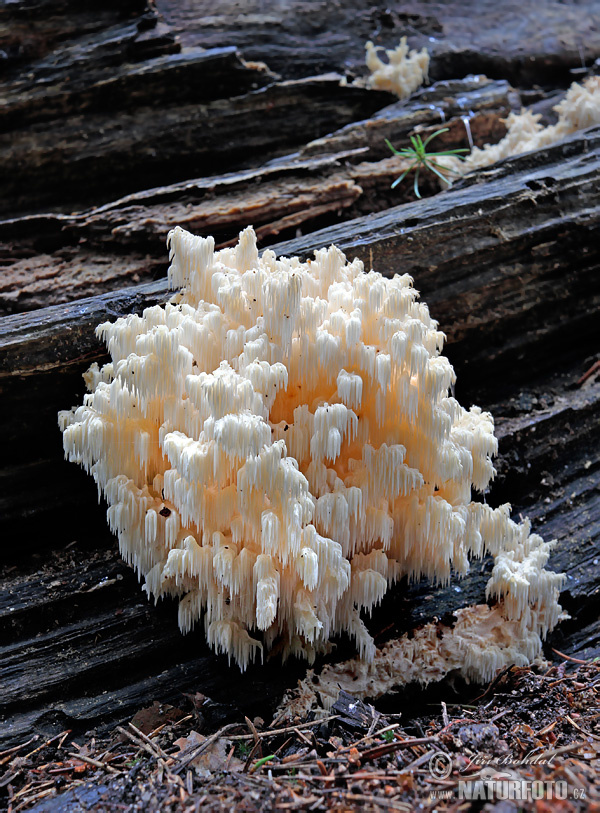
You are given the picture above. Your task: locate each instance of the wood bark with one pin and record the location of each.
(70, 157)
(511, 40)
(84, 82)
(53, 258)
(508, 267)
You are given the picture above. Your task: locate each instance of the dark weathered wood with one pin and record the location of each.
(167, 79)
(525, 44)
(356, 715)
(532, 220)
(69, 273)
(83, 645)
(79, 160)
(92, 85)
(53, 258)
(32, 31)
(121, 95)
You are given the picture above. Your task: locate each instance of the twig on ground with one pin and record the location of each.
(494, 682)
(199, 749)
(569, 658)
(588, 374)
(159, 751)
(8, 754)
(96, 763)
(582, 730)
(291, 729)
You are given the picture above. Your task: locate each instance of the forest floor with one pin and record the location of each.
(529, 741)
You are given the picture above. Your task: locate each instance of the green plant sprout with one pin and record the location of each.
(260, 762)
(243, 749)
(421, 159)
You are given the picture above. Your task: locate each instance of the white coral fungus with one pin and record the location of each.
(477, 643)
(402, 74)
(277, 446)
(578, 110)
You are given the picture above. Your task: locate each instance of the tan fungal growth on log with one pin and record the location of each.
(578, 110)
(277, 446)
(478, 642)
(402, 74)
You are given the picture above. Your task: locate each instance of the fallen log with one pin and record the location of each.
(508, 266)
(55, 258)
(81, 646)
(64, 162)
(530, 220)
(522, 292)
(83, 85)
(507, 40)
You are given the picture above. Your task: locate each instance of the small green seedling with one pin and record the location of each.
(421, 159)
(243, 749)
(388, 736)
(260, 762)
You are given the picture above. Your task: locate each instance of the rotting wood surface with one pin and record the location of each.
(520, 292)
(516, 41)
(72, 156)
(53, 258)
(528, 231)
(107, 99)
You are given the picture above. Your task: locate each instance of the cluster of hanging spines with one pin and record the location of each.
(421, 378)
(521, 581)
(110, 419)
(277, 445)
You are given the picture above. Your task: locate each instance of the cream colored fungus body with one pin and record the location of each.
(277, 446)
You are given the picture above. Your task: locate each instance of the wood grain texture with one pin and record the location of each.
(518, 245)
(53, 258)
(522, 43)
(74, 160)
(142, 86)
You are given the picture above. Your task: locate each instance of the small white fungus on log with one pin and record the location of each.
(277, 446)
(403, 72)
(578, 110)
